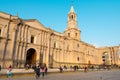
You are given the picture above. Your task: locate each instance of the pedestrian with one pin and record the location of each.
(61, 69)
(46, 69)
(37, 71)
(43, 71)
(27, 66)
(0, 67)
(85, 70)
(10, 67)
(92, 68)
(71, 67)
(9, 73)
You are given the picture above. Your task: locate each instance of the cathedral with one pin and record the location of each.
(29, 42)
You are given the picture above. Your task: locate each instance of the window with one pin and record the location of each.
(72, 17)
(78, 59)
(55, 45)
(76, 34)
(103, 56)
(32, 39)
(68, 34)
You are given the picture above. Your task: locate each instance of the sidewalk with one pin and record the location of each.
(4, 71)
(23, 72)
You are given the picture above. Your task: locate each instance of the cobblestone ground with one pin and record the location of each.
(96, 75)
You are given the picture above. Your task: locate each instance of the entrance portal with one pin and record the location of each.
(31, 57)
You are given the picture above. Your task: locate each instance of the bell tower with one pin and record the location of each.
(72, 29)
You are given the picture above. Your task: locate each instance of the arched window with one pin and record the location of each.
(72, 17)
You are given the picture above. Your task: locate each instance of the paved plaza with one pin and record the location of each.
(95, 75)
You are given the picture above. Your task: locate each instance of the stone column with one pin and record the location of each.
(22, 46)
(15, 44)
(38, 56)
(24, 52)
(45, 49)
(48, 51)
(2, 46)
(6, 42)
(25, 44)
(18, 45)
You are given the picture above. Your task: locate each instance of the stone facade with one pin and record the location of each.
(30, 42)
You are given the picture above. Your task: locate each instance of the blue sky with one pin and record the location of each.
(98, 20)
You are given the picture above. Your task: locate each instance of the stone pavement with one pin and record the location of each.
(93, 75)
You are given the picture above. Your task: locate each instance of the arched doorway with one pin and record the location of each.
(31, 57)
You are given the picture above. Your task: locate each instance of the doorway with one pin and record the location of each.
(31, 57)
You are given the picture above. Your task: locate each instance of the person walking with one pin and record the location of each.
(0, 67)
(85, 69)
(46, 69)
(9, 73)
(43, 71)
(37, 72)
(61, 69)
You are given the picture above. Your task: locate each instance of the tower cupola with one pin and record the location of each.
(72, 29)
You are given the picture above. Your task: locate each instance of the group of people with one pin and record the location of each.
(42, 70)
(37, 70)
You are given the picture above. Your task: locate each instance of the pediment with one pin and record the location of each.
(35, 23)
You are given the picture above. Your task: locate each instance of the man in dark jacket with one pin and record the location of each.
(37, 71)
